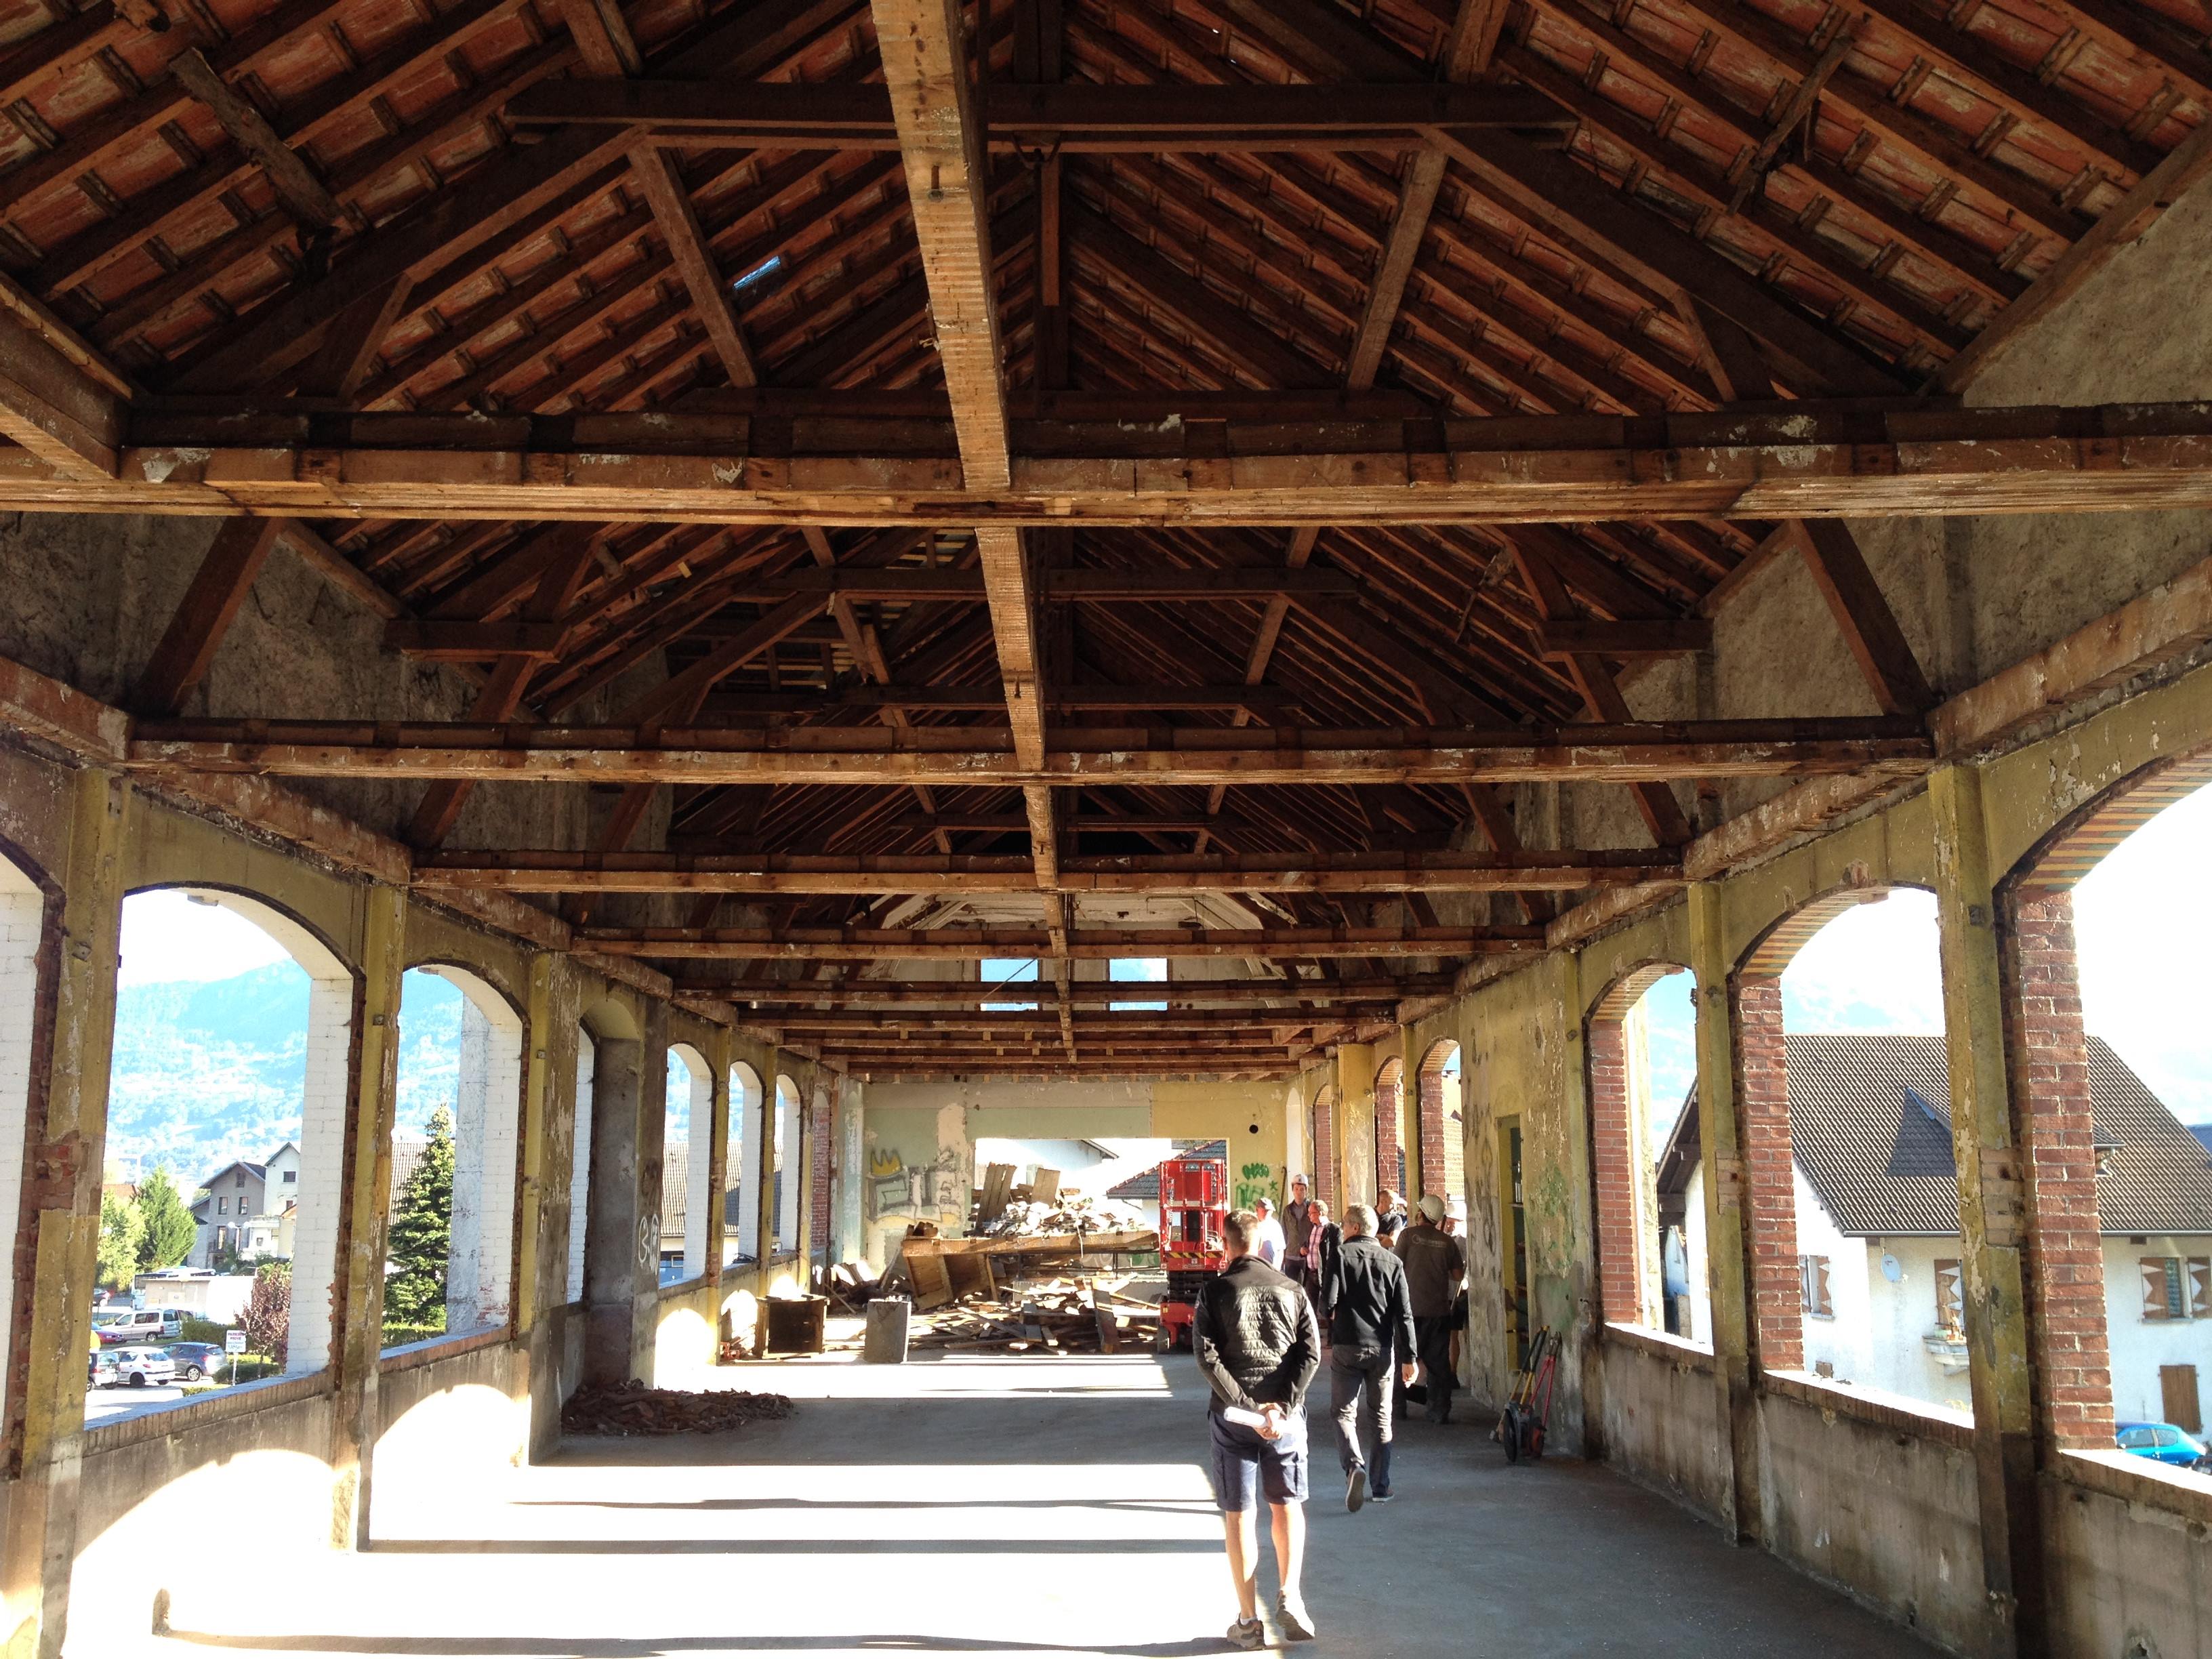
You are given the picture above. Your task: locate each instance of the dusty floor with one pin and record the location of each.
(1004, 1507)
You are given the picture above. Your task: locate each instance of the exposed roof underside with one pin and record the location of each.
(204, 204)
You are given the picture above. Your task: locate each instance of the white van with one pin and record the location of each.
(117, 1326)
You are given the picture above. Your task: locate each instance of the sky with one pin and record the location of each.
(167, 938)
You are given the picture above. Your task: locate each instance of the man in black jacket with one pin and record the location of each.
(1370, 1320)
(1258, 1347)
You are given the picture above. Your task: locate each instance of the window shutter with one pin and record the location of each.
(2154, 1286)
(1820, 1302)
(1949, 1309)
(2200, 1287)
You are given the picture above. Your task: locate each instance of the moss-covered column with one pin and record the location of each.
(357, 1335)
(1581, 1420)
(1355, 1122)
(549, 1147)
(1721, 1162)
(1991, 1213)
(61, 1205)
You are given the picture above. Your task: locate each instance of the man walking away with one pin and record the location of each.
(1258, 1347)
(1435, 1264)
(1267, 1240)
(1297, 1224)
(1370, 1319)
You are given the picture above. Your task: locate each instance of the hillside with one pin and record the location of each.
(212, 1071)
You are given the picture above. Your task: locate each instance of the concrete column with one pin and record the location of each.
(1579, 1311)
(719, 1060)
(764, 1166)
(1992, 1219)
(548, 1127)
(852, 1170)
(465, 1276)
(358, 1339)
(621, 1240)
(1721, 1158)
(68, 1129)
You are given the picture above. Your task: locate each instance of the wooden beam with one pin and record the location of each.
(334, 568)
(858, 700)
(1870, 627)
(1028, 116)
(303, 193)
(469, 641)
(1065, 586)
(877, 993)
(873, 756)
(203, 615)
(1559, 641)
(796, 873)
(1086, 944)
(1810, 459)
(53, 408)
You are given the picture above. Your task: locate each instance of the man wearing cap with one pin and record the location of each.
(1435, 1264)
(1297, 1231)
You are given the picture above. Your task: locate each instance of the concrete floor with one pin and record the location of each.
(1013, 1506)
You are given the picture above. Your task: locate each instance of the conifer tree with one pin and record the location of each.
(420, 1243)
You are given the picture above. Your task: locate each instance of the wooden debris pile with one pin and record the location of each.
(1068, 1213)
(1060, 1315)
(632, 1409)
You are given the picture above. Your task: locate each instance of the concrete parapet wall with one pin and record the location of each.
(1661, 1417)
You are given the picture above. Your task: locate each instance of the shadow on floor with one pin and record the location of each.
(645, 1647)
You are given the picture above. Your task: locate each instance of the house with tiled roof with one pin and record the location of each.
(1877, 1203)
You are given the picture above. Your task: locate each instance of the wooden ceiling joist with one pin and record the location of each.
(954, 944)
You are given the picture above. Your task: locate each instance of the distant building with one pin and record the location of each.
(1877, 1202)
(248, 1210)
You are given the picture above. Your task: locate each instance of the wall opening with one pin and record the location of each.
(449, 1249)
(687, 1124)
(741, 1191)
(1843, 1113)
(228, 1105)
(2111, 1069)
(1641, 1050)
(1440, 1125)
(22, 921)
(1389, 1149)
(1324, 1147)
(580, 1161)
(786, 1166)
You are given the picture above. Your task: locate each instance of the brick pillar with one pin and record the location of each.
(1613, 1165)
(2050, 1078)
(1429, 1085)
(1324, 1134)
(1763, 1116)
(818, 1179)
(1389, 1160)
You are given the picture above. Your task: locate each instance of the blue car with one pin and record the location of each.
(2164, 1443)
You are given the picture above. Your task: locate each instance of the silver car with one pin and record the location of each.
(140, 1368)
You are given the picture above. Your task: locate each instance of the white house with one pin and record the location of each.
(1878, 1226)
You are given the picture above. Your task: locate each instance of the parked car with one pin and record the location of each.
(195, 1359)
(118, 1325)
(104, 1374)
(140, 1368)
(2164, 1442)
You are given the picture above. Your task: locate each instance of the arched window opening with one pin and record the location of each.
(1390, 1109)
(1441, 1134)
(449, 1251)
(580, 1165)
(786, 1166)
(687, 1121)
(741, 1192)
(23, 919)
(1642, 1048)
(1844, 1120)
(2113, 1085)
(228, 1107)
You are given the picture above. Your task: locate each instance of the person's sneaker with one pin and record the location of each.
(1291, 1615)
(1383, 1496)
(1355, 1490)
(1248, 1633)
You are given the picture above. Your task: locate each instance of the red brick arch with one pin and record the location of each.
(1324, 1147)
(1437, 1145)
(1389, 1116)
(1614, 1163)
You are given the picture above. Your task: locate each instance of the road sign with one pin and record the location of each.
(233, 1341)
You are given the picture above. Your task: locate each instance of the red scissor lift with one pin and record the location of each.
(1194, 1204)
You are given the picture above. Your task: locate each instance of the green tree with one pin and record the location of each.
(420, 1238)
(121, 1228)
(268, 1315)
(169, 1229)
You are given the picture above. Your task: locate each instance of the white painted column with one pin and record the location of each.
(580, 1175)
(322, 1164)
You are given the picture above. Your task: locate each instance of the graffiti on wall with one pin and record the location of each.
(1253, 1182)
(899, 1191)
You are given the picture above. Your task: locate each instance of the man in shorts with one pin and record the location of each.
(1259, 1348)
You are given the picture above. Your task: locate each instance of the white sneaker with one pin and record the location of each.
(1291, 1615)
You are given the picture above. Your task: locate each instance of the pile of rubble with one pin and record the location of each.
(1061, 1315)
(1066, 1215)
(632, 1409)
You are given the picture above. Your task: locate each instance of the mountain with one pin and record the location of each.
(207, 1072)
